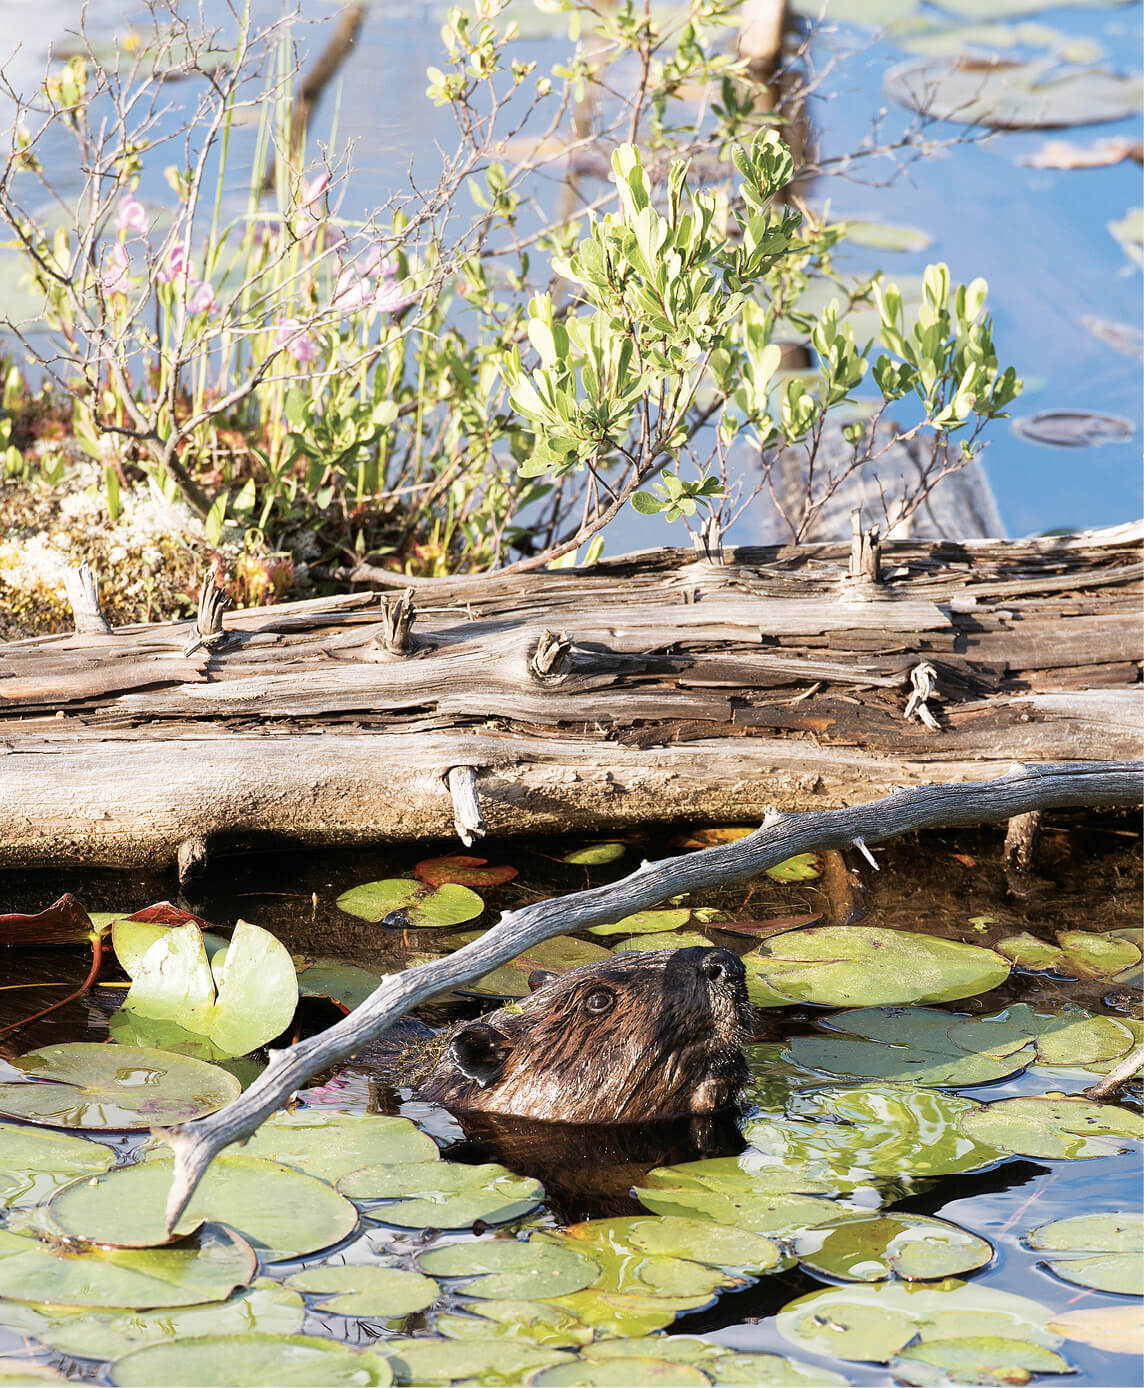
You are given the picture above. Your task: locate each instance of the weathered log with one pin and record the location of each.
(685, 689)
(781, 836)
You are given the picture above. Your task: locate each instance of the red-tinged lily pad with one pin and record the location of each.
(403, 904)
(86, 1085)
(710, 838)
(64, 922)
(463, 871)
(761, 929)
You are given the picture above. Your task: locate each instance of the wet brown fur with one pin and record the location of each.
(646, 1035)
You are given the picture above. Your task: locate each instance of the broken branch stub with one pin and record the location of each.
(83, 595)
(782, 836)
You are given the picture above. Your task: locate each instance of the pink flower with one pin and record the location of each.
(313, 190)
(203, 299)
(132, 217)
(115, 270)
(300, 345)
(310, 217)
(352, 292)
(390, 299)
(178, 259)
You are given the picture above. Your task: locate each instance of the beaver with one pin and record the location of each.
(641, 1037)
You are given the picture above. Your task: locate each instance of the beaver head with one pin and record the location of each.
(644, 1035)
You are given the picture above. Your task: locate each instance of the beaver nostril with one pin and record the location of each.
(715, 969)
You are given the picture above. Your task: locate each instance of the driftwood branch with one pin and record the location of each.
(1119, 1075)
(781, 836)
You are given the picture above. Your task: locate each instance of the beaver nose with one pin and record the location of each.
(721, 964)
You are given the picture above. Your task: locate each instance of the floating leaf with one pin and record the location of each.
(865, 965)
(761, 1201)
(64, 922)
(340, 982)
(646, 922)
(132, 936)
(630, 1270)
(127, 1029)
(1129, 231)
(512, 1270)
(1113, 1329)
(1101, 1251)
(1032, 955)
(412, 904)
(710, 838)
(443, 1195)
(623, 1373)
(1067, 1036)
(682, 939)
(366, 1290)
(626, 1314)
(700, 1240)
(34, 1164)
(206, 1267)
(282, 1212)
(1053, 1128)
(331, 1145)
(720, 1364)
(949, 1066)
(246, 1361)
(804, 867)
(86, 1085)
(18, 1372)
(778, 925)
(912, 1247)
(1071, 428)
(430, 1361)
(535, 1322)
(557, 955)
(1097, 955)
(596, 854)
(980, 1359)
(463, 871)
(1012, 95)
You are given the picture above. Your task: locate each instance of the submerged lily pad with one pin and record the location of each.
(283, 1212)
(1053, 1128)
(83, 1084)
(33, 1164)
(331, 1145)
(557, 956)
(911, 1247)
(206, 1267)
(630, 1270)
(412, 904)
(768, 1201)
(512, 1270)
(367, 1290)
(865, 965)
(443, 1195)
(646, 922)
(1072, 428)
(252, 1361)
(1101, 1251)
(596, 854)
(433, 1361)
(334, 979)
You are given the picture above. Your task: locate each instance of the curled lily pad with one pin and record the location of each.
(646, 922)
(435, 1361)
(133, 936)
(557, 956)
(1072, 428)
(264, 1306)
(978, 1359)
(86, 1085)
(208, 1266)
(347, 984)
(403, 903)
(912, 1247)
(283, 1212)
(251, 1361)
(512, 1270)
(535, 1322)
(1053, 1128)
(443, 1195)
(33, 1164)
(331, 1145)
(622, 1373)
(1101, 1251)
(596, 854)
(463, 870)
(366, 1290)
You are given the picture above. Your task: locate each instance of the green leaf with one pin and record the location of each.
(910, 1247)
(557, 955)
(34, 1164)
(980, 1359)
(366, 1290)
(331, 1145)
(596, 854)
(1100, 1251)
(438, 1361)
(805, 867)
(251, 1361)
(646, 922)
(411, 904)
(1053, 1128)
(441, 1195)
(507, 1269)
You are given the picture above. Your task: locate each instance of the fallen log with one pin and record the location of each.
(652, 687)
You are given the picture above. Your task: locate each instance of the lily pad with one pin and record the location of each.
(434, 1361)
(596, 854)
(534, 1322)
(282, 1212)
(667, 939)
(741, 1199)
(720, 1364)
(83, 1084)
(630, 1270)
(979, 1359)
(367, 1290)
(133, 936)
(1072, 428)
(557, 955)
(626, 1313)
(264, 1306)
(875, 1060)
(443, 1195)
(701, 1241)
(646, 922)
(1129, 231)
(403, 903)
(1031, 955)
(864, 965)
(34, 1164)
(622, 1373)
(205, 1267)
(252, 1361)
(462, 870)
(1113, 1329)
(331, 1145)
(1067, 1036)
(1095, 954)
(803, 867)
(511, 1270)
(1102, 1251)
(347, 984)
(1012, 95)
(1053, 1128)
(911, 1247)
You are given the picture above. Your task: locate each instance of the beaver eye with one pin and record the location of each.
(599, 1001)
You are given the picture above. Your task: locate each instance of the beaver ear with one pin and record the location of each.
(480, 1052)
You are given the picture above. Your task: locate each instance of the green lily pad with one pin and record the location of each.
(978, 1359)
(911, 1247)
(557, 955)
(402, 902)
(336, 980)
(34, 1164)
(283, 1212)
(534, 1322)
(331, 1145)
(1012, 95)
(131, 938)
(679, 939)
(512, 1270)
(1053, 1128)
(443, 1195)
(208, 1266)
(701, 1241)
(803, 867)
(264, 1306)
(240, 1001)
(1102, 1251)
(367, 1290)
(251, 1361)
(646, 922)
(26, 1373)
(886, 236)
(626, 1268)
(622, 1373)
(462, 870)
(1031, 955)
(623, 1313)
(596, 854)
(86, 1085)
(1067, 1036)
(745, 1201)
(1097, 955)
(720, 1364)
(869, 966)
(874, 1060)
(129, 1029)
(492, 1361)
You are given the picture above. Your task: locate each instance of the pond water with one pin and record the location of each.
(851, 1115)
